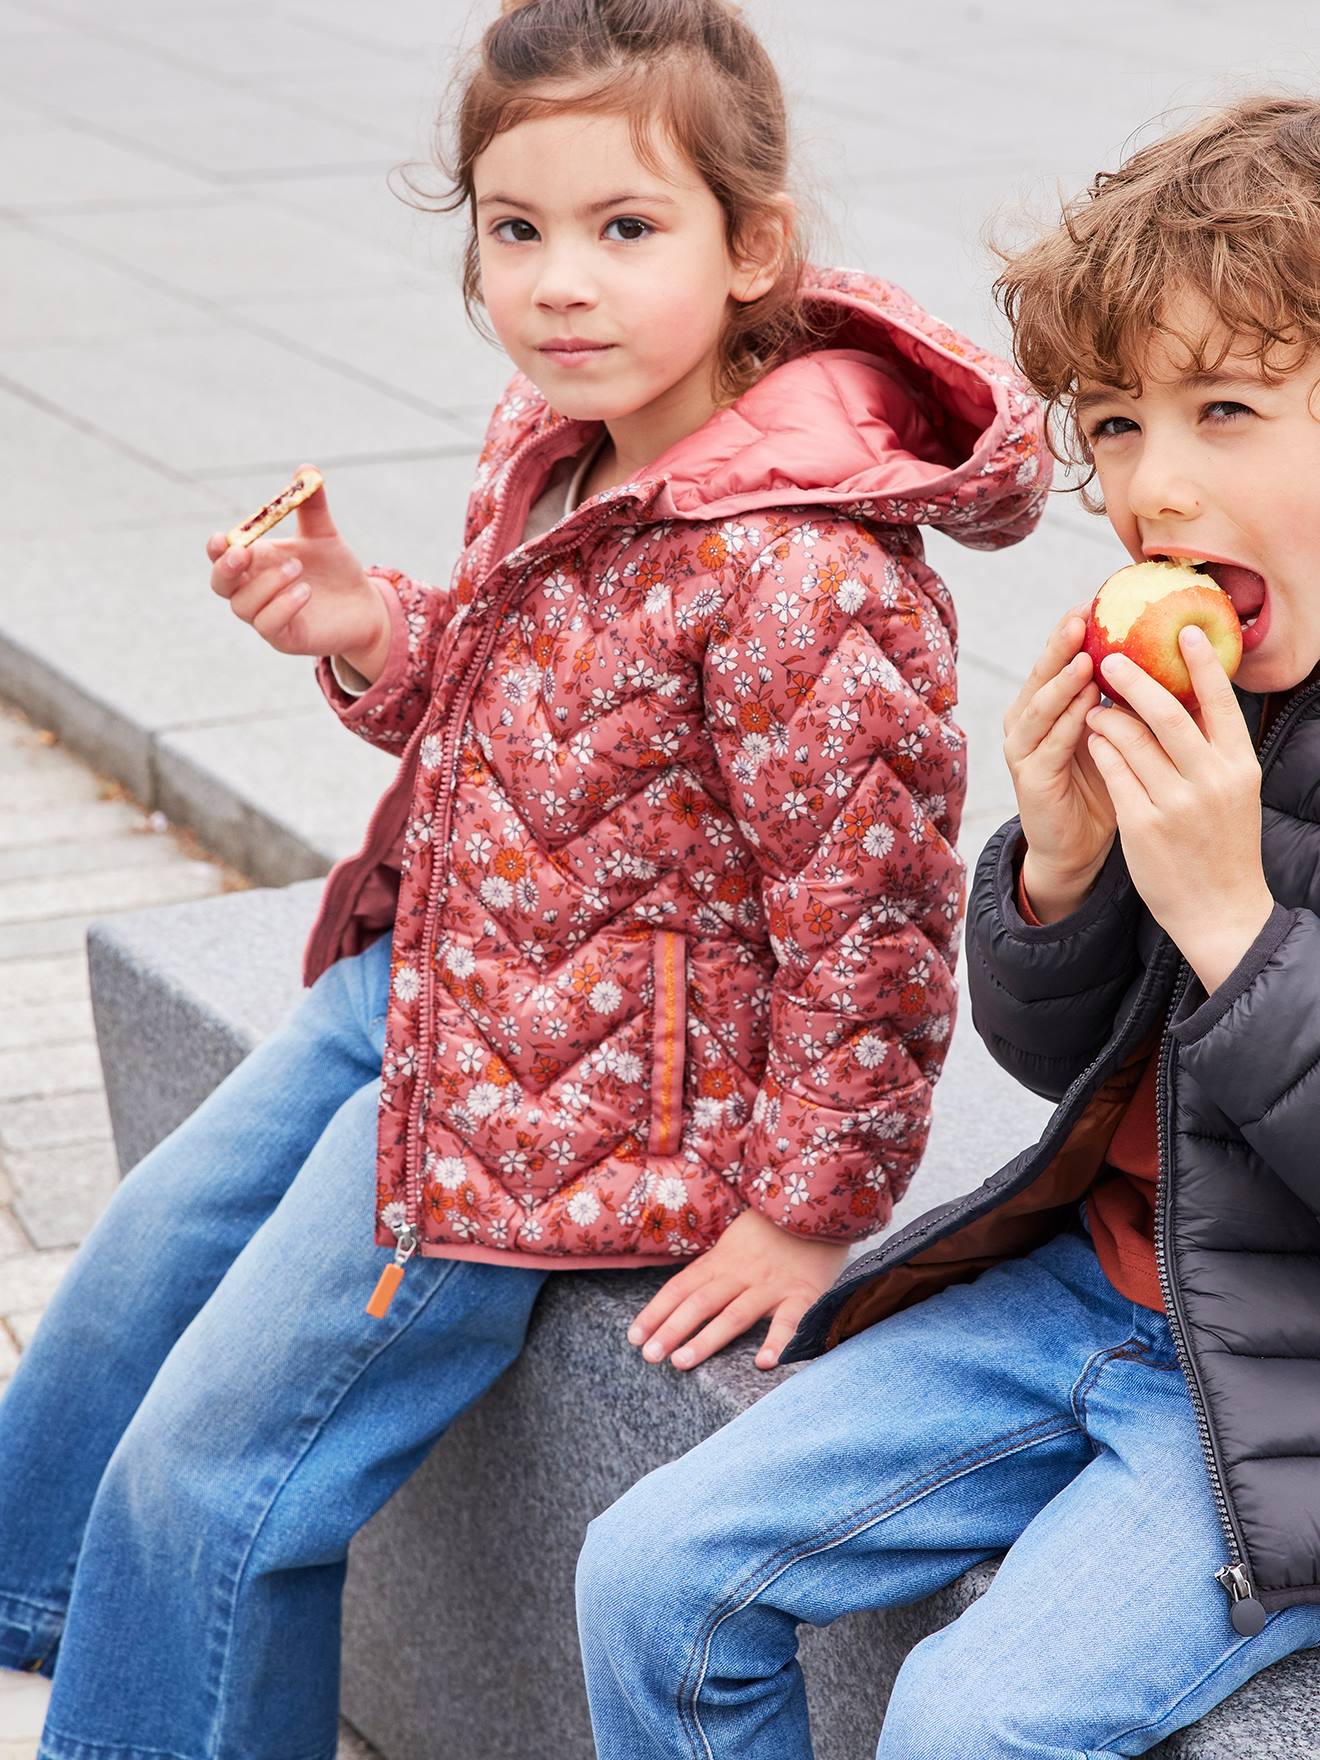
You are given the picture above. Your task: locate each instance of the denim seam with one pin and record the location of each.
(230, 1585)
(1157, 1724)
(846, 1528)
(1131, 1350)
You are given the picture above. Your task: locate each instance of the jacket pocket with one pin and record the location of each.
(668, 1041)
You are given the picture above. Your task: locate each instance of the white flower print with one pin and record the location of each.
(671, 1193)
(407, 984)
(447, 1171)
(461, 961)
(485, 1098)
(429, 751)
(605, 996)
(870, 1050)
(394, 1216)
(479, 848)
(496, 892)
(878, 839)
(583, 1208)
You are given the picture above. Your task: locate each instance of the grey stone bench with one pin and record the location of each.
(459, 1633)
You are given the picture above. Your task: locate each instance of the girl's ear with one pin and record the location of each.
(761, 249)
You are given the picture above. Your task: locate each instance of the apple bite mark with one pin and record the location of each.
(1140, 611)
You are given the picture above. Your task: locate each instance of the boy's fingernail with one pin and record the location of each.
(1194, 634)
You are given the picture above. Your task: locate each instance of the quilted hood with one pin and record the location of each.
(892, 415)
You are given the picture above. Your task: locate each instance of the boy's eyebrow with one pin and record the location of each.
(647, 199)
(1193, 382)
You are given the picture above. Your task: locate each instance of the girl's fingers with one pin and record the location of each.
(276, 616)
(216, 545)
(672, 1291)
(783, 1324)
(691, 1313)
(249, 601)
(729, 1323)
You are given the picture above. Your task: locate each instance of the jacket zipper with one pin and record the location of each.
(1246, 1611)
(408, 1235)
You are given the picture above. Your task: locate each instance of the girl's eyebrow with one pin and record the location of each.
(649, 199)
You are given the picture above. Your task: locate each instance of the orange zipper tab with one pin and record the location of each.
(392, 1276)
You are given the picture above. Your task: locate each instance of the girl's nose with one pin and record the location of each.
(563, 285)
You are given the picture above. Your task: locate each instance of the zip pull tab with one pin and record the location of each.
(392, 1276)
(1247, 1614)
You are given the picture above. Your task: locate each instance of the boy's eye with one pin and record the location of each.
(514, 231)
(629, 229)
(1234, 409)
(1110, 428)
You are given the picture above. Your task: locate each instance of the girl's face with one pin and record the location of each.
(607, 283)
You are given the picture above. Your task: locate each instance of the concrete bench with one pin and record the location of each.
(459, 1634)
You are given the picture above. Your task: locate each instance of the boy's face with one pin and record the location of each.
(1226, 471)
(581, 243)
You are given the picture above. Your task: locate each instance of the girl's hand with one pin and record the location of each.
(1187, 792)
(1067, 816)
(303, 595)
(754, 1269)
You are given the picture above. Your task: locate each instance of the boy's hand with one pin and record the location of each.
(754, 1269)
(1187, 793)
(1067, 817)
(303, 595)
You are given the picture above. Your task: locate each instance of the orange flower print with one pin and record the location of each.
(712, 551)
(511, 863)
(754, 717)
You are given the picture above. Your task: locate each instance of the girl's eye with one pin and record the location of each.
(514, 231)
(630, 229)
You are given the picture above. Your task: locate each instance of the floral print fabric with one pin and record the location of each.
(701, 733)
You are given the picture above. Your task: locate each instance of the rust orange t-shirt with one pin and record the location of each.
(1120, 1206)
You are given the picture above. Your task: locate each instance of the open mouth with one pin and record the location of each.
(1244, 586)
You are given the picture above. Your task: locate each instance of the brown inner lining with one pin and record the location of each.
(1014, 1227)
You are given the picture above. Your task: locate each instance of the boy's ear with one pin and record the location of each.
(761, 248)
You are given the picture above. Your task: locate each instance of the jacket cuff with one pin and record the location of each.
(1244, 974)
(351, 706)
(1112, 879)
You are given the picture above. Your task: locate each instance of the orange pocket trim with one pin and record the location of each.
(669, 1041)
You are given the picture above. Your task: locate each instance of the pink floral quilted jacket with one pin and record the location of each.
(669, 859)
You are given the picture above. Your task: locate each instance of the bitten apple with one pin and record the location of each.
(1139, 612)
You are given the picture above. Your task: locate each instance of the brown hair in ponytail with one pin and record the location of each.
(692, 68)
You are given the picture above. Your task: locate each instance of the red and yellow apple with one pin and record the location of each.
(1140, 611)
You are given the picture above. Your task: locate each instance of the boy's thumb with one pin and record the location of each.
(314, 519)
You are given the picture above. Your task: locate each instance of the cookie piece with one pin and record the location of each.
(304, 484)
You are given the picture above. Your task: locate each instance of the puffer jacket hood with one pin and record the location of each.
(669, 860)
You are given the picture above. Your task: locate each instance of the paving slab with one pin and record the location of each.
(53, 1119)
(53, 292)
(57, 978)
(59, 1192)
(47, 164)
(44, 1022)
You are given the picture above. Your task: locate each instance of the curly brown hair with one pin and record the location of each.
(691, 72)
(1226, 209)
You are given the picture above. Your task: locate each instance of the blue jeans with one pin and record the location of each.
(206, 1416)
(1034, 1411)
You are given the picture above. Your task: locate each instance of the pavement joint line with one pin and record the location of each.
(345, 460)
(233, 314)
(81, 425)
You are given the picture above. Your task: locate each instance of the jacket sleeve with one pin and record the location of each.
(1255, 1045)
(1044, 997)
(827, 689)
(387, 714)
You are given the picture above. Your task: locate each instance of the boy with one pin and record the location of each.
(1106, 1360)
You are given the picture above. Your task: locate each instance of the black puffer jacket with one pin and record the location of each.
(1072, 1010)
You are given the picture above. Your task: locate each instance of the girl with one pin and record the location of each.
(646, 956)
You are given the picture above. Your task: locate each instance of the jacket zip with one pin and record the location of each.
(1246, 1611)
(408, 1235)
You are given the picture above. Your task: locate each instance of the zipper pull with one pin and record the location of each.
(392, 1276)
(1247, 1614)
